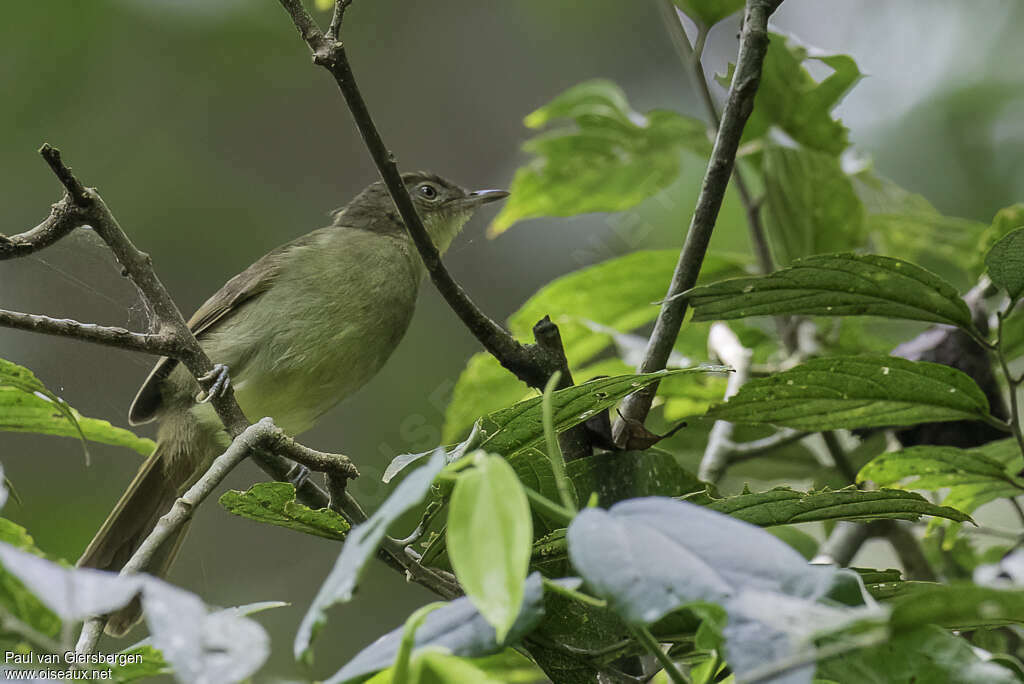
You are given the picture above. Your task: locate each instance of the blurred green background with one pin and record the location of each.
(213, 139)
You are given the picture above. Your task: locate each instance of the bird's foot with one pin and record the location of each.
(214, 384)
(298, 475)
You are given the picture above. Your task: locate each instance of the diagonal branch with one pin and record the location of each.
(160, 345)
(738, 106)
(531, 364)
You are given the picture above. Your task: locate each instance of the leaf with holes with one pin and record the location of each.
(274, 503)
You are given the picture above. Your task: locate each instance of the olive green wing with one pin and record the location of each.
(247, 285)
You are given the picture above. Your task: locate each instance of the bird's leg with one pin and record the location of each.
(298, 475)
(214, 383)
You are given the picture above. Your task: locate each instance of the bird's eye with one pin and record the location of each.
(427, 191)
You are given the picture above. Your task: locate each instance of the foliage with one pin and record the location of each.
(573, 569)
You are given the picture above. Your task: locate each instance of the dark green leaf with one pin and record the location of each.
(456, 628)
(489, 537)
(856, 391)
(360, 545)
(810, 206)
(1005, 263)
(836, 285)
(533, 468)
(709, 12)
(274, 503)
(620, 475)
(511, 430)
(1006, 221)
(958, 606)
(790, 98)
(607, 158)
(784, 506)
(973, 476)
(928, 654)
(27, 406)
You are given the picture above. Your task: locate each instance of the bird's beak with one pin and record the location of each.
(478, 197)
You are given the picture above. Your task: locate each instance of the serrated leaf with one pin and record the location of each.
(489, 538)
(836, 285)
(709, 12)
(846, 392)
(360, 545)
(810, 206)
(973, 476)
(457, 628)
(651, 556)
(784, 506)
(1005, 263)
(26, 405)
(274, 503)
(607, 158)
(790, 98)
(618, 294)
(511, 430)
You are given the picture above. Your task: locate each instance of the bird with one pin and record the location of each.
(302, 328)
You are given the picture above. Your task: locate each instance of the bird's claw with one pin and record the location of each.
(214, 384)
(298, 475)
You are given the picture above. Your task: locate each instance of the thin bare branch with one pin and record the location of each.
(739, 104)
(160, 345)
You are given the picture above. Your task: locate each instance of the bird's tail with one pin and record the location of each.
(149, 496)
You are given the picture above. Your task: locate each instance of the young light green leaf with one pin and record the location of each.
(274, 503)
(810, 206)
(1005, 263)
(836, 285)
(490, 538)
(784, 506)
(510, 430)
(616, 294)
(846, 392)
(26, 405)
(790, 98)
(709, 12)
(360, 545)
(457, 628)
(609, 158)
(150, 663)
(973, 476)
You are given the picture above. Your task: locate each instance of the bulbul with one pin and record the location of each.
(299, 330)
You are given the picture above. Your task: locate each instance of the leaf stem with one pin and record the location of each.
(554, 450)
(556, 511)
(403, 658)
(647, 640)
(573, 594)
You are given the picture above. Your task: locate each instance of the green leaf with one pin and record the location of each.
(274, 503)
(846, 392)
(616, 476)
(511, 430)
(1003, 223)
(784, 506)
(490, 538)
(973, 476)
(958, 606)
(533, 469)
(457, 629)
(810, 206)
(26, 405)
(651, 556)
(836, 285)
(927, 654)
(609, 158)
(617, 294)
(790, 98)
(709, 12)
(140, 663)
(360, 545)
(1005, 263)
